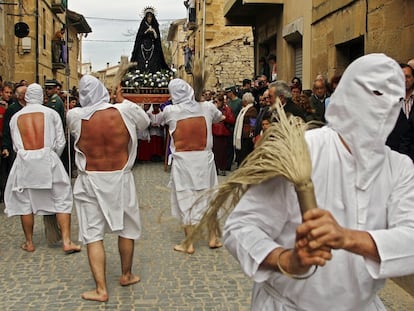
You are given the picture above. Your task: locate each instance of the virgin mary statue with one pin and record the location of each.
(147, 49)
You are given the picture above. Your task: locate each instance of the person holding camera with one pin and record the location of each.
(244, 129)
(260, 86)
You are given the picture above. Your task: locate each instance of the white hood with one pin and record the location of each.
(93, 95)
(364, 108)
(182, 93)
(34, 94)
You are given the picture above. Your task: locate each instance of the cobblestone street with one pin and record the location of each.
(207, 280)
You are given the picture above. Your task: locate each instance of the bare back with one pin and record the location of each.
(104, 141)
(190, 134)
(32, 130)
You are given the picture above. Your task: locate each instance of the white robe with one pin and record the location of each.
(111, 193)
(156, 119)
(192, 172)
(38, 182)
(267, 215)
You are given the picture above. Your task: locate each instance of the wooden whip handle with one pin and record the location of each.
(306, 196)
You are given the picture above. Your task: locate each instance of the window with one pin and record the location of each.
(298, 61)
(348, 51)
(44, 27)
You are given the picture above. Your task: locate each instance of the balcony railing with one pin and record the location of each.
(59, 6)
(57, 66)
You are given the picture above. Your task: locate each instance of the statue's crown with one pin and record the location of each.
(148, 9)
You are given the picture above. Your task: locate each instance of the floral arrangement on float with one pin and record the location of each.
(139, 82)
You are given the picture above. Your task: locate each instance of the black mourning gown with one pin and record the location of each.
(147, 49)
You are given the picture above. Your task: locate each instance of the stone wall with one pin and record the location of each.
(391, 28)
(385, 26)
(229, 63)
(228, 59)
(7, 47)
(31, 66)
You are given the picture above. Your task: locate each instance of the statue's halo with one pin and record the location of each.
(148, 9)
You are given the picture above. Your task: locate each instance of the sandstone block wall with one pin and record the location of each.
(385, 26)
(229, 63)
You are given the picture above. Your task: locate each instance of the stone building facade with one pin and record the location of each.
(226, 52)
(7, 49)
(323, 36)
(281, 28)
(229, 63)
(348, 29)
(179, 49)
(30, 57)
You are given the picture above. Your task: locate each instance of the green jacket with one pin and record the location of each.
(235, 105)
(56, 103)
(10, 111)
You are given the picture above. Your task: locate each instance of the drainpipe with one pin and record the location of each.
(67, 68)
(80, 54)
(67, 73)
(203, 42)
(37, 42)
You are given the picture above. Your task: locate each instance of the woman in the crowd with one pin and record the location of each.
(306, 106)
(244, 128)
(221, 132)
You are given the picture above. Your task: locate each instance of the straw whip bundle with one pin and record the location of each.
(199, 78)
(123, 68)
(52, 230)
(282, 151)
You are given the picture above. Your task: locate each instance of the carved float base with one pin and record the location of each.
(147, 98)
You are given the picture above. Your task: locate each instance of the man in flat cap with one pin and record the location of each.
(54, 101)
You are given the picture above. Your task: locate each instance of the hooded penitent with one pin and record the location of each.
(34, 94)
(93, 95)
(363, 125)
(363, 111)
(182, 93)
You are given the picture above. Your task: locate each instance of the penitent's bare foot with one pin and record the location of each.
(28, 247)
(215, 244)
(71, 248)
(129, 280)
(180, 248)
(95, 296)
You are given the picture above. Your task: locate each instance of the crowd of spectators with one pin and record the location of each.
(308, 104)
(236, 136)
